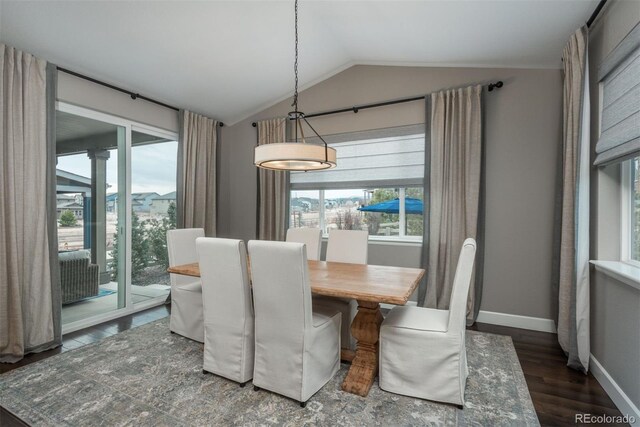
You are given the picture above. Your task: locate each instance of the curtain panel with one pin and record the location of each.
(29, 287)
(273, 186)
(453, 182)
(197, 157)
(571, 263)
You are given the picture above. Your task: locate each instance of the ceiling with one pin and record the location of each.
(77, 134)
(230, 59)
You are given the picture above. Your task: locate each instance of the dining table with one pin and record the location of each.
(370, 286)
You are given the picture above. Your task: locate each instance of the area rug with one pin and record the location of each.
(149, 377)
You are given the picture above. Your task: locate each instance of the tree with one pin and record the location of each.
(374, 219)
(139, 249)
(68, 219)
(414, 222)
(156, 234)
(348, 220)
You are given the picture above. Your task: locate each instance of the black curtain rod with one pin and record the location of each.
(133, 95)
(595, 13)
(357, 108)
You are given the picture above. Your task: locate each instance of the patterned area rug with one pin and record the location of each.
(149, 377)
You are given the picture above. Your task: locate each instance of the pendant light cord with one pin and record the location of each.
(295, 64)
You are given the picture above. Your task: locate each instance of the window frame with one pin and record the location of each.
(402, 216)
(627, 213)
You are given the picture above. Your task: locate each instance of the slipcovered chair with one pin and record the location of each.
(297, 348)
(228, 309)
(422, 350)
(186, 292)
(350, 246)
(312, 237)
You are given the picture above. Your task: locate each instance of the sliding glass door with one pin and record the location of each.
(116, 184)
(153, 211)
(89, 181)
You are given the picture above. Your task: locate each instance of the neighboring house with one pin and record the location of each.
(141, 202)
(160, 205)
(112, 202)
(71, 189)
(137, 203)
(72, 206)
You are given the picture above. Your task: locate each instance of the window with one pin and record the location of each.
(377, 186)
(631, 211)
(399, 216)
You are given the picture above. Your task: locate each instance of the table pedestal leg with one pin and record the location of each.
(364, 367)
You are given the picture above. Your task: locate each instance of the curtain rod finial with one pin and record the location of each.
(497, 84)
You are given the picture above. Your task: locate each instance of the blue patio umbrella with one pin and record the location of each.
(411, 206)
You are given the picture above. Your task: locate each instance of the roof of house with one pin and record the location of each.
(144, 195)
(69, 205)
(168, 196)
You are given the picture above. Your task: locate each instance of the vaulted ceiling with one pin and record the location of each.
(229, 59)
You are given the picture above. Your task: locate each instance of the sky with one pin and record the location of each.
(153, 167)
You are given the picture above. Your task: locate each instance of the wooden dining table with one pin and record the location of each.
(369, 285)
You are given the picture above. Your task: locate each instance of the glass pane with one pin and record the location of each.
(635, 209)
(341, 209)
(86, 189)
(304, 209)
(414, 199)
(384, 218)
(153, 204)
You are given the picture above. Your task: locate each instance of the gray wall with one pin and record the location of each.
(615, 306)
(523, 130)
(81, 92)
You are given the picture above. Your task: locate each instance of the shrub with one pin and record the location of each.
(68, 219)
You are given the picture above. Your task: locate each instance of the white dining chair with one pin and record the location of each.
(186, 292)
(228, 309)
(312, 237)
(349, 246)
(297, 347)
(422, 350)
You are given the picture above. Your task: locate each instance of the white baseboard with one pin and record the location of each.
(517, 321)
(619, 397)
(505, 319)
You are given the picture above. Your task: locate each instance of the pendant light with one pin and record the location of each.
(297, 155)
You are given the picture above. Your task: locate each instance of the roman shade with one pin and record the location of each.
(619, 76)
(392, 157)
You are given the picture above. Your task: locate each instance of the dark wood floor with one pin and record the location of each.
(558, 393)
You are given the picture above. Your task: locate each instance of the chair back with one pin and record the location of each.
(350, 246)
(283, 311)
(226, 293)
(227, 308)
(181, 245)
(312, 237)
(461, 284)
(281, 288)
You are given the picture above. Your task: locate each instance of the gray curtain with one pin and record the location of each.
(454, 163)
(571, 275)
(29, 293)
(273, 192)
(197, 183)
